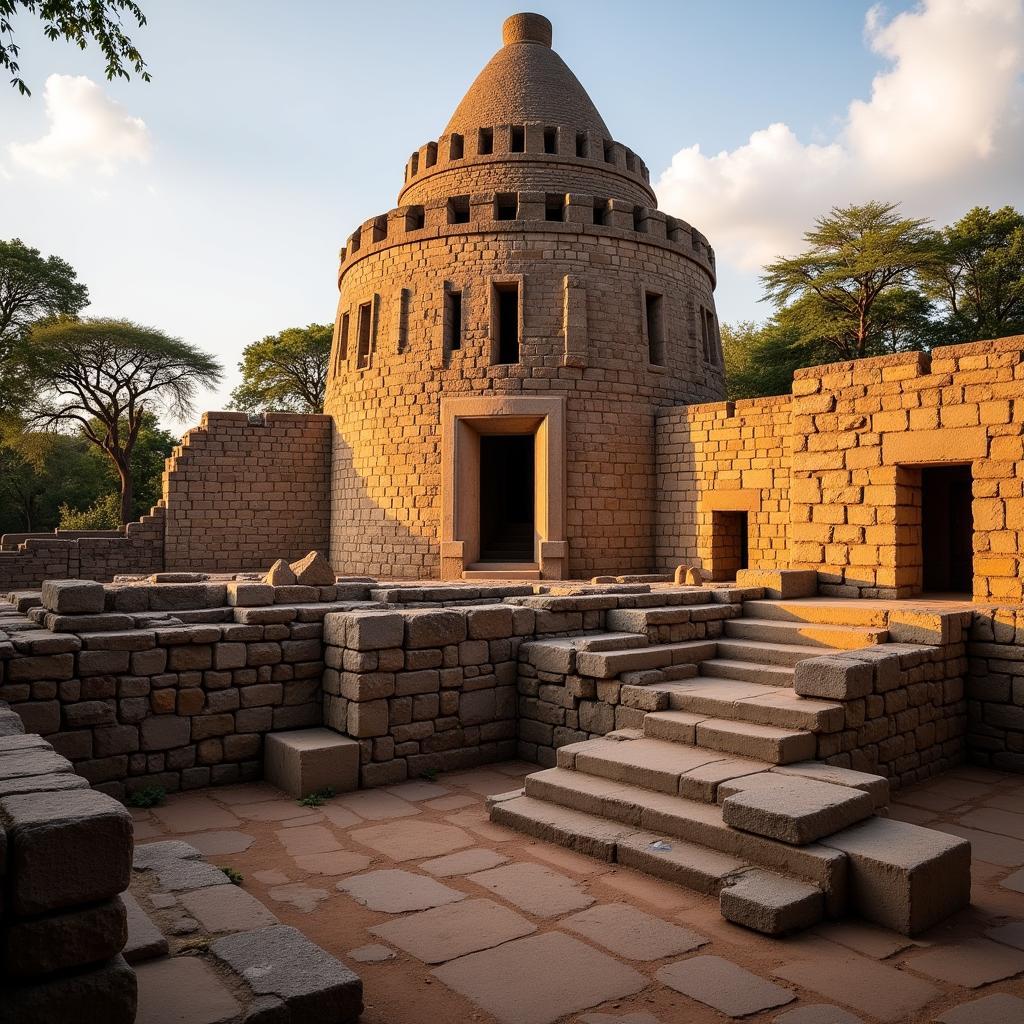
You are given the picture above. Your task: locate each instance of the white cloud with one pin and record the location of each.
(87, 131)
(943, 130)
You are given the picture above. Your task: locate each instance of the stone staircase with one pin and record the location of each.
(717, 788)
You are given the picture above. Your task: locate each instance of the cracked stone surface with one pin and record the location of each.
(396, 892)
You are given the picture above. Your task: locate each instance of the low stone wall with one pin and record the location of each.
(995, 689)
(65, 858)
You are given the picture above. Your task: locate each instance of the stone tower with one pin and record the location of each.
(506, 337)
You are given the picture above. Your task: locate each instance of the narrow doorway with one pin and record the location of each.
(947, 529)
(730, 545)
(507, 498)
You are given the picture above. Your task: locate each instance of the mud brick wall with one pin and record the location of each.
(241, 494)
(716, 462)
(995, 689)
(65, 857)
(179, 707)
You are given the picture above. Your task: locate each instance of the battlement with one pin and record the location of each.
(571, 212)
(554, 144)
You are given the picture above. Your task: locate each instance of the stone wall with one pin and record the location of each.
(241, 493)
(995, 688)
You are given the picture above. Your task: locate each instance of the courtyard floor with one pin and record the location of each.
(449, 918)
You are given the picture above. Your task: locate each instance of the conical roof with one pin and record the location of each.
(526, 82)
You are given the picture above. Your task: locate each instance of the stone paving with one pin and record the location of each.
(447, 916)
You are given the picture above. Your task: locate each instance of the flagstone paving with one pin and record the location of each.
(449, 917)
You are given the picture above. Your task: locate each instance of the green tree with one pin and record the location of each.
(978, 284)
(853, 282)
(103, 377)
(285, 372)
(760, 359)
(103, 514)
(77, 21)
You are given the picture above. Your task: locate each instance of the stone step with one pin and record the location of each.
(752, 702)
(771, 903)
(830, 613)
(558, 654)
(762, 742)
(846, 638)
(609, 664)
(692, 821)
(659, 765)
(748, 671)
(638, 620)
(786, 655)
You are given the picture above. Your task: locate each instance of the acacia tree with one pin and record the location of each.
(978, 284)
(285, 372)
(849, 287)
(105, 376)
(77, 21)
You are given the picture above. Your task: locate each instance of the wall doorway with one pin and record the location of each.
(730, 545)
(947, 530)
(507, 526)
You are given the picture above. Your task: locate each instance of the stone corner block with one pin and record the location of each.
(247, 594)
(304, 761)
(780, 584)
(73, 597)
(833, 677)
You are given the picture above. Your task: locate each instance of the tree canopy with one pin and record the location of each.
(102, 377)
(852, 282)
(79, 22)
(285, 372)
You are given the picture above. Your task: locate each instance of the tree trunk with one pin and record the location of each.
(127, 497)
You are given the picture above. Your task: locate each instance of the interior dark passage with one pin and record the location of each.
(506, 498)
(947, 529)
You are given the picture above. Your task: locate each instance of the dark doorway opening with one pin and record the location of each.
(506, 498)
(947, 530)
(730, 544)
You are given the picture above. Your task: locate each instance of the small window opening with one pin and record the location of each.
(517, 142)
(456, 147)
(458, 210)
(414, 163)
(431, 155)
(379, 229)
(550, 140)
(581, 144)
(554, 206)
(363, 327)
(655, 328)
(709, 338)
(355, 241)
(630, 160)
(415, 218)
(453, 320)
(600, 211)
(638, 218)
(609, 153)
(342, 344)
(485, 141)
(506, 206)
(506, 322)
(403, 319)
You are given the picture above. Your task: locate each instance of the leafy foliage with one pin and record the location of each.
(318, 798)
(978, 284)
(103, 377)
(850, 287)
(103, 514)
(285, 372)
(77, 21)
(234, 877)
(761, 360)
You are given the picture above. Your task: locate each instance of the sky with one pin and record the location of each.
(212, 202)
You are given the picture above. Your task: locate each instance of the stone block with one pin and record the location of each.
(903, 876)
(368, 718)
(313, 571)
(769, 903)
(281, 962)
(20, 764)
(834, 677)
(365, 631)
(73, 597)
(107, 993)
(780, 584)
(64, 941)
(163, 732)
(65, 849)
(307, 760)
(144, 940)
(246, 594)
(434, 628)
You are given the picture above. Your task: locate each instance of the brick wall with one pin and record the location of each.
(240, 495)
(995, 688)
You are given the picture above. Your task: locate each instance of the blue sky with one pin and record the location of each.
(212, 202)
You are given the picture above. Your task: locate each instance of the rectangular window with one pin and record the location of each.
(506, 206)
(415, 218)
(600, 211)
(517, 141)
(379, 229)
(414, 163)
(505, 323)
(431, 155)
(458, 210)
(403, 319)
(554, 206)
(455, 147)
(630, 160)
(363, 326)
(707, 334)
(453, 320)
(342, 356)
(609, 153)
(638, 218)
(581, 144)
(485, 141)
(655, 328)
(550, 140)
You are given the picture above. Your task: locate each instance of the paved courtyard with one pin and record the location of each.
(448, 917)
